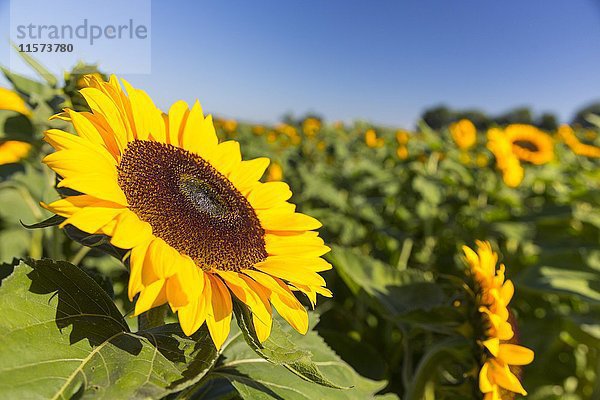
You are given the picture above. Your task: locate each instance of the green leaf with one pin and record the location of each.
(584, 284)
(256, 378)
(395, 292)
(39, 68)
(52, 221)
(15, 126)
(28, 86)
(280, 349)
(63, 336)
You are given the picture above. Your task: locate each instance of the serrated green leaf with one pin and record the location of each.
(256, 378)
(280, 349)
(63, 336)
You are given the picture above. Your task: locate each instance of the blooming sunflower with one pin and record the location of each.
(199, 224)
(498, 375)
(464, 133)
(565, 132)
(10, 100)
(506, 161)
(530, 144)
(12, 151)
(372, 140)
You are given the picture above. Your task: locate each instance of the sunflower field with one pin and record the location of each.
(164, 254)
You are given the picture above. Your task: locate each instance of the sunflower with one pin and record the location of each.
(198, 224)
(530, 144)
(372, 140)
(506, 161)
(498, 374)
(12, 151)
(565, 132)
(464, 133)
(10, 100)
(402, 152)
(275, 172)
(402, 136)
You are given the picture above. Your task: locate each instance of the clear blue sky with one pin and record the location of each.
(384, 61)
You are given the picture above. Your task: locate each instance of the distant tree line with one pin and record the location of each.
(441, 116)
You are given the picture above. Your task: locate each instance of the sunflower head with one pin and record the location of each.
(566, 133)
(530, 144)
(13, 151)
(198, 224)
(402, 136)
(402, 152)
(506, 160)
(502, 357)
(11, 100)
(464, 133)
(371, 139)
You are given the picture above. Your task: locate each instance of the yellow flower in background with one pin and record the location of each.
(498, 374)
(566, 133)
(464, 133)
(272, 137)
(230, 125)
(10, 100)
(311, 126)
(530, 144)
(506, 160)
(200, 225)
(402, 136)
(274, 173)
(13, 151)
(402, 152)
(258, 130)
(372, 140)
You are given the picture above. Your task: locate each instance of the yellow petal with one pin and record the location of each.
(290, 270)
(226, 157)
(284, 301)
(177, 116)
(192, 316)
(249, 172)
(103, 105)
(485, 385)
(151, 296)
(493, 345)
(136, 268)
(148, 119)
(285, 221)
(295, 245)
(199, 136)
(130, 231)
(270, 194)
(176, 296)
(250, 293)
(218, 318)
(502, 375)
(515, 355)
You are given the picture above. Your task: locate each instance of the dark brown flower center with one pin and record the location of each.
(191, 206)
(526, 144)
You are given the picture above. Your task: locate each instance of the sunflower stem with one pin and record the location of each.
(152, 318)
